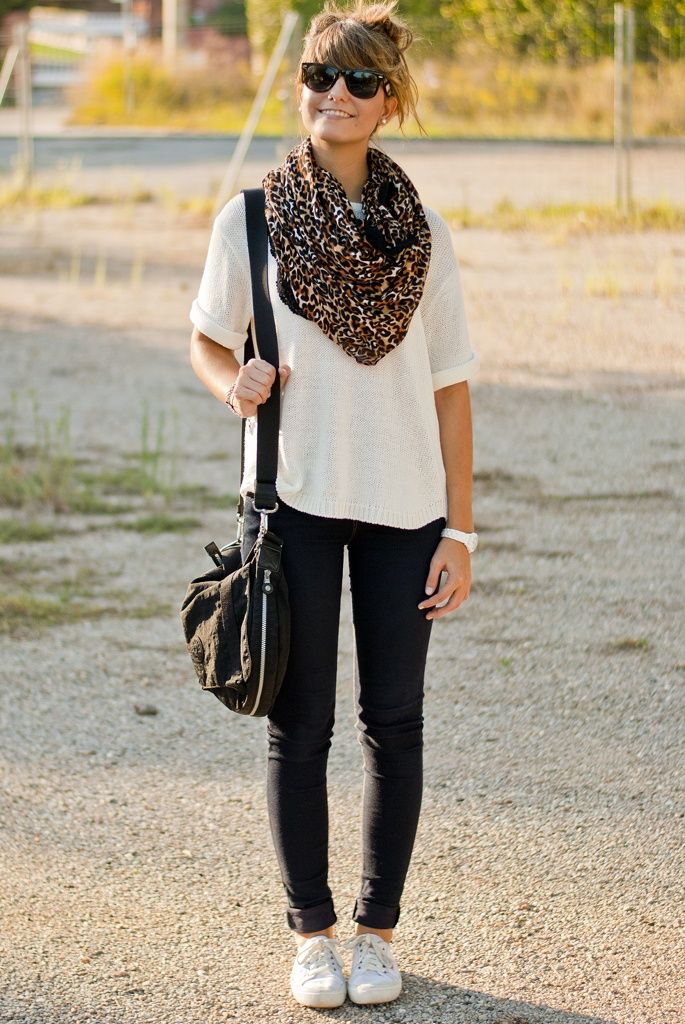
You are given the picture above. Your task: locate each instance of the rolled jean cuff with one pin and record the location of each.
(375, 915)
(311, 919)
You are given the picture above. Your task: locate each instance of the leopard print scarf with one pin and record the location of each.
(359, 280)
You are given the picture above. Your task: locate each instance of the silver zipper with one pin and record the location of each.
(267, 587)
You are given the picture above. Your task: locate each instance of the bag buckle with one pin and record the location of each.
(264, 517)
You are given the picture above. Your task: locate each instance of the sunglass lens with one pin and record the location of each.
(319, 77)
(362, 84)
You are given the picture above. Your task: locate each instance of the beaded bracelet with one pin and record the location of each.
(229, 400)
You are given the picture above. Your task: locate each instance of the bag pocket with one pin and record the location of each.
(234, 662)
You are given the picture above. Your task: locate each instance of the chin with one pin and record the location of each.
(343, 132)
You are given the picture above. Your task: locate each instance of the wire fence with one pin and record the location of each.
(554, 82)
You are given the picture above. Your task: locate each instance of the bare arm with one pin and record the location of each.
(215, 365)
(453, 404)
(218, 368)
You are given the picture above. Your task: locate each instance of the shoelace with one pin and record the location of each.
(319, 957)
(372, 953)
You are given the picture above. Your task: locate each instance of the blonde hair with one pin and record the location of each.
(364, 35)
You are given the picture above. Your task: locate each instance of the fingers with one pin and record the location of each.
(255, 384)
(445, 591)
(250, 391)
(433, 577)
(257, 378)
(265, 368)
(458, 597)
(455, 588)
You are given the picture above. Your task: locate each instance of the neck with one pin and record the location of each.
(347, 163)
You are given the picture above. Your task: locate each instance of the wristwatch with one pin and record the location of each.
(469, 539)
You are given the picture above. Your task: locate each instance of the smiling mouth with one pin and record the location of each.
(336, 113)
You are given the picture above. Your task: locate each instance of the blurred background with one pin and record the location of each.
(604, 80)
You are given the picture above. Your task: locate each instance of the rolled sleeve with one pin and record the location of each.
(444, 321)
(207, 325)
(222, 308)
(456, 374)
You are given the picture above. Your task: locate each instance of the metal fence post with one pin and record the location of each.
(624, 62)
(618, 102)
(23, 82)
(226, 189)
(630, 63)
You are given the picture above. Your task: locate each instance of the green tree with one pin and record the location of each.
(570, 30)
(264, 19)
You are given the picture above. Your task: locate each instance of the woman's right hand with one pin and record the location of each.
(253, 385)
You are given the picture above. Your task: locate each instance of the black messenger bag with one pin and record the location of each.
(236, 616)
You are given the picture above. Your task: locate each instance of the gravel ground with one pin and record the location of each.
(137, 874)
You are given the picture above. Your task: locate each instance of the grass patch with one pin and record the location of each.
(16, 531)
(566, 219)
(160, 523)
(38, 197)
(22, 615)
(12, 568)
(44, 473)
(573, 218)
(496, 587)
(499, 546)
(65, 197)
(39, 600)
(657, 494)
(628, 643)
(150, 609)
(541, 553)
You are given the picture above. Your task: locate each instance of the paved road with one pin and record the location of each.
(447, 173)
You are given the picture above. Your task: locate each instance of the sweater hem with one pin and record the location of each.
(335, 509)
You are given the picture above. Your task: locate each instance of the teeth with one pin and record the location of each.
(336, 113)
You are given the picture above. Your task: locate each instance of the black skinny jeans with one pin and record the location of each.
(388, 569)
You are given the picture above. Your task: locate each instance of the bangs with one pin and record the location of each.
(349, 45)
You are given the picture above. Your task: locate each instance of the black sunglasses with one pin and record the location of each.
(361, 82)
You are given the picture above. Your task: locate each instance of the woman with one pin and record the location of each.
(374, 455)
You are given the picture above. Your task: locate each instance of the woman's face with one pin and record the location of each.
(335, 116)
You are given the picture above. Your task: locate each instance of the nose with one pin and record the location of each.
(339, 90)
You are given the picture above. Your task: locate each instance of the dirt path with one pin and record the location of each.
(137, 874)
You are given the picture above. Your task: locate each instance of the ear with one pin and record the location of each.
(389, 107)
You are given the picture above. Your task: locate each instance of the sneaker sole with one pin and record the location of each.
(370, 997)
(319, 999)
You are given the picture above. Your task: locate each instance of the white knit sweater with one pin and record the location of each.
(355, 441)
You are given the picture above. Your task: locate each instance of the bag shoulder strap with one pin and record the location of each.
(263, 330)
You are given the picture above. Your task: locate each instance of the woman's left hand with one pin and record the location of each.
(454, 558)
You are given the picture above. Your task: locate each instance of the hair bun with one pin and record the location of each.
(381, 18)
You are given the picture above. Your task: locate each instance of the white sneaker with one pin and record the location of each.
(375, 976)
(317, 977)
